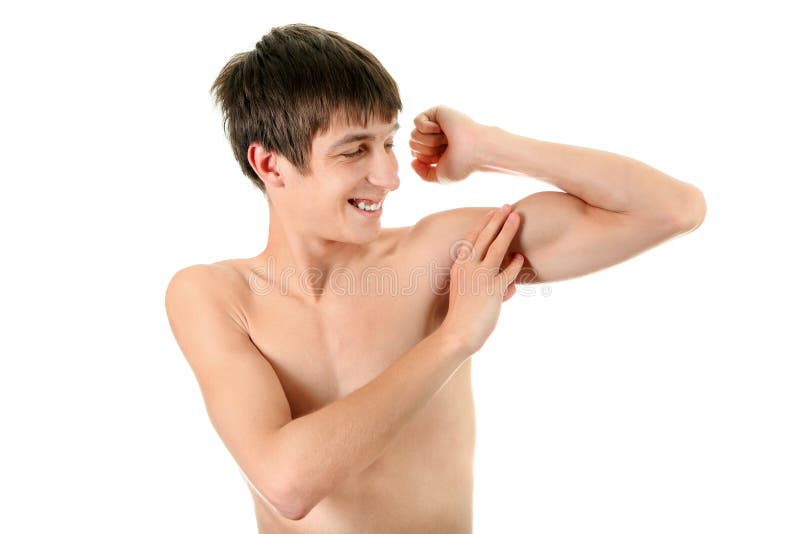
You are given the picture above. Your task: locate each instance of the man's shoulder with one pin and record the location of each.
(216, 284)
(218, 281)
(211, 275)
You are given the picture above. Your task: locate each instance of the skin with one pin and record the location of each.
(352, 411)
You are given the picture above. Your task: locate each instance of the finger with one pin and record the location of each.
(424, 170)
(427, 160)
(425, 122)
(473, 234)
(428, 139)
(489, 232)
(499, 246)
(527, 274)
(510, 290)
(510, 273)
(425, 149)
(507, 259)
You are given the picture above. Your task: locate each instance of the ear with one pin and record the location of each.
(265, 164)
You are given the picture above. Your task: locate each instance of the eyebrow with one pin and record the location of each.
(360, 136)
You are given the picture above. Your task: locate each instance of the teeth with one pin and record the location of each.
(370, 207)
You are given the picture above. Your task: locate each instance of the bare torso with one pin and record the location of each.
(423, 481)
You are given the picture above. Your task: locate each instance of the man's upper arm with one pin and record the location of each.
(243, 396)
(560, 235)
(564, 237)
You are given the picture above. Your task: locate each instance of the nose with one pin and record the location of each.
(384, 172)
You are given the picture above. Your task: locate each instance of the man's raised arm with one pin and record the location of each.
(613, 207)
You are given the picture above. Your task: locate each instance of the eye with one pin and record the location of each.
(361, 150)
(354, 154)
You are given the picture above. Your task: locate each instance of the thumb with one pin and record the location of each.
(431, 127)
(509, 292)
(512, 270)
(425, 171)
(426, 122)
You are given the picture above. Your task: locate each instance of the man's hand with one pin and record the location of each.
(478, 281)
(446, 145)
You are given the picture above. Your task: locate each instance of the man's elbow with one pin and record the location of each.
(276, 494)
(692, 210)
(292, 485)
(295, 512)
(293, 498)
(290, 506)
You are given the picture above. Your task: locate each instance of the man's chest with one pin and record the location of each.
(321, 354)
(322, 359)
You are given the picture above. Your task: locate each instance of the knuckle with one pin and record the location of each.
(461, 250)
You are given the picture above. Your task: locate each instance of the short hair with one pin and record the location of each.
(292, 86)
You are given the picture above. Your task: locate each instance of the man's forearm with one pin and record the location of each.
(602, 179)
(325, 447)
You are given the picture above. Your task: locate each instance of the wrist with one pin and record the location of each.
(505, 152)
(451, 344)
(486, 147)
(483, 146)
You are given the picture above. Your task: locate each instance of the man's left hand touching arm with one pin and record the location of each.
(612, 208)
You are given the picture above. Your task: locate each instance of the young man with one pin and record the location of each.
(346, 404)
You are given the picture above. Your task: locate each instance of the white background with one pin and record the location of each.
(660, 395)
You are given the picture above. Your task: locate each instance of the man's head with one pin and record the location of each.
(299, 82)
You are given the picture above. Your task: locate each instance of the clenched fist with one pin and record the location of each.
(446, 145)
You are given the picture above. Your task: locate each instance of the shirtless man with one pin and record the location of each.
(347, 404)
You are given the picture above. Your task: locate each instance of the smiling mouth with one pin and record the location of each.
(363, 206)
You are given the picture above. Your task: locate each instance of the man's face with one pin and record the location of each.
(347, 163)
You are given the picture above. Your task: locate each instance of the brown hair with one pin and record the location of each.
(297, 80)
